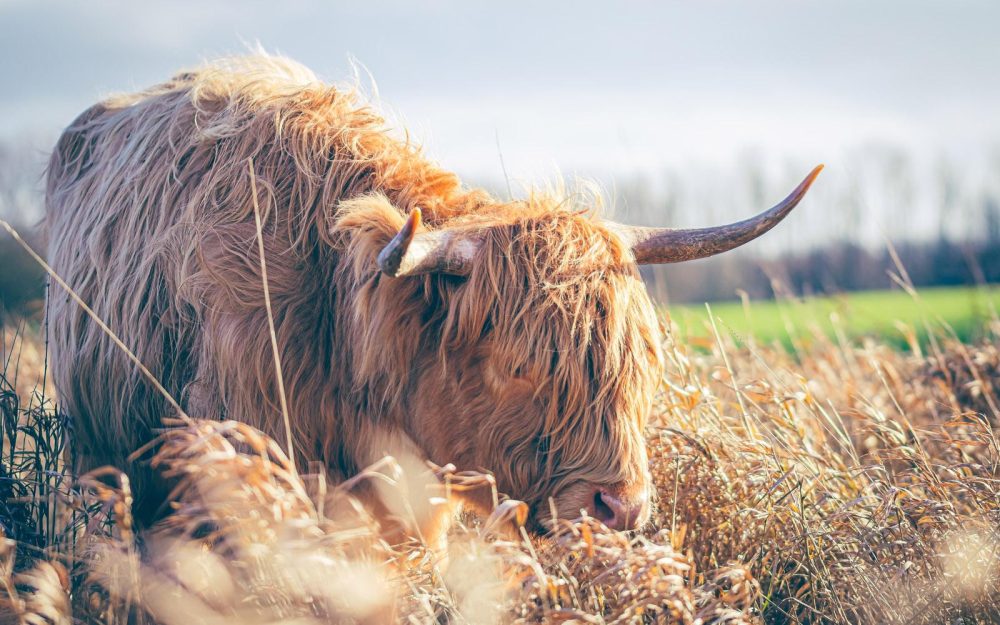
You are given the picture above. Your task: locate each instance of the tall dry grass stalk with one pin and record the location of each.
(842, 482)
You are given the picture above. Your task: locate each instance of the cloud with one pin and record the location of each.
(563, 82)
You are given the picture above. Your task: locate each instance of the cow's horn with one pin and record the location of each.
(412, 253)
(652, 246)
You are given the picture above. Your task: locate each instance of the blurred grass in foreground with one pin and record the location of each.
(894, 316)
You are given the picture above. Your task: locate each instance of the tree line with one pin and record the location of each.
(879, 207)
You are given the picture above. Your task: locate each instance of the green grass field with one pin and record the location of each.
(892, 315)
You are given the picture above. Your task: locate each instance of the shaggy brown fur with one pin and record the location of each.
(539, 366)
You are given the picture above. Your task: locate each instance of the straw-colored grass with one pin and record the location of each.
(840, 482)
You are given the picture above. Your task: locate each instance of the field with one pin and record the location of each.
(893, 316)
(843, 481)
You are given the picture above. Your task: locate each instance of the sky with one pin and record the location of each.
(526, 90)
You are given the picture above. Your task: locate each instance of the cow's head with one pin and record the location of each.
(545, 354)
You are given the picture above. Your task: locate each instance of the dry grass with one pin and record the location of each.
(22, 359)
(843, 482)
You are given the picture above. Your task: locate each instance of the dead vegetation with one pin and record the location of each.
(842, 482)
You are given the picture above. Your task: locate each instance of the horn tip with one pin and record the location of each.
(815, 172)
(800, 191)
(390, 259)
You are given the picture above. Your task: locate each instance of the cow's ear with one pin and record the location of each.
(362, 226)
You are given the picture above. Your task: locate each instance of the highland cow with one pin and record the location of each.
(514, 337)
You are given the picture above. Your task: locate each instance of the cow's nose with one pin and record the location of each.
(619, 512)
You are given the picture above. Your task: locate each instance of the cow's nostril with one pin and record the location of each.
(602, 511)
(618, 512)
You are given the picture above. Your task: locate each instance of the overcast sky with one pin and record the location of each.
(597, 88)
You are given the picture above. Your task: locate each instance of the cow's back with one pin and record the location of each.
(111, 210)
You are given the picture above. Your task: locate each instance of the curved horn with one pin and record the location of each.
(651, 246)
(437, 251)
